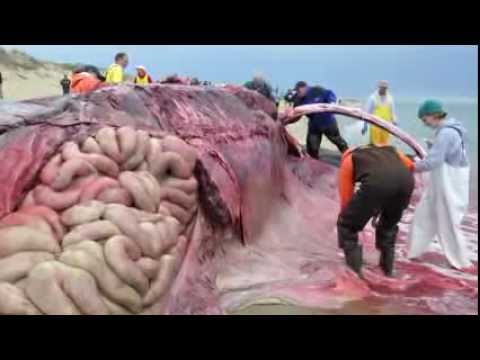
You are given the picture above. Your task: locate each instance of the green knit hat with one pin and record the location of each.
(430, 107)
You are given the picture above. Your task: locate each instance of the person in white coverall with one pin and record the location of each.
(445, 201)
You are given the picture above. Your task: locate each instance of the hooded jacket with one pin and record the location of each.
(318, 95)
(84, 82)
(448, 147)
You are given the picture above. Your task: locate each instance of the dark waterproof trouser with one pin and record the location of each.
(386, 199)
(314, 139)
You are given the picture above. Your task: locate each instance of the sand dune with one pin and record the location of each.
(25, 77)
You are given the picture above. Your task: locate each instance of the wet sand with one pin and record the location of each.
(352, 308)
(283, 309)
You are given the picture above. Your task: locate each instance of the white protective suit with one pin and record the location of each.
(444, 203)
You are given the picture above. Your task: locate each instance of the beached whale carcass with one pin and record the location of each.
(175, 199)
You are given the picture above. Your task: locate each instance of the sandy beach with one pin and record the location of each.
(25, 77)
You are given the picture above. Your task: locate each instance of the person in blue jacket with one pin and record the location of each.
(319, 124)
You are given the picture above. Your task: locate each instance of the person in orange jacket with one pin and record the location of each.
(386, 183)
(86, 79)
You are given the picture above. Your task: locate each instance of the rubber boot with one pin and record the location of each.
(387, 257)
(385, 243)
(354, 259)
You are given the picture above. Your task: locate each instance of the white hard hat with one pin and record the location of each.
(141, 67)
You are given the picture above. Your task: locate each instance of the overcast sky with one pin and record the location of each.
(413, 71)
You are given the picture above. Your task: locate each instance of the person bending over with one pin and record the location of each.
(86, 78)
(319, 124)
(385, 176)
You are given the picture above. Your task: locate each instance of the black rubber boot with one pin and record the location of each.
(385, 243)
(387, 257)
(354, 259)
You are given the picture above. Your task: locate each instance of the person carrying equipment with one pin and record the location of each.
(319, 124)
(142, 77)
(380, 104)
(386, 185)
(114, 74)
(445, 201)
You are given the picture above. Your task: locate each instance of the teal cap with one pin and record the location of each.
(430, 107)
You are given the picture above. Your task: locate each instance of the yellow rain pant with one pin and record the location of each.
(379, 136)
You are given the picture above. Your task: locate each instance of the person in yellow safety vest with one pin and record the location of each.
(380, 104)
(142, 77)
(114, 73)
